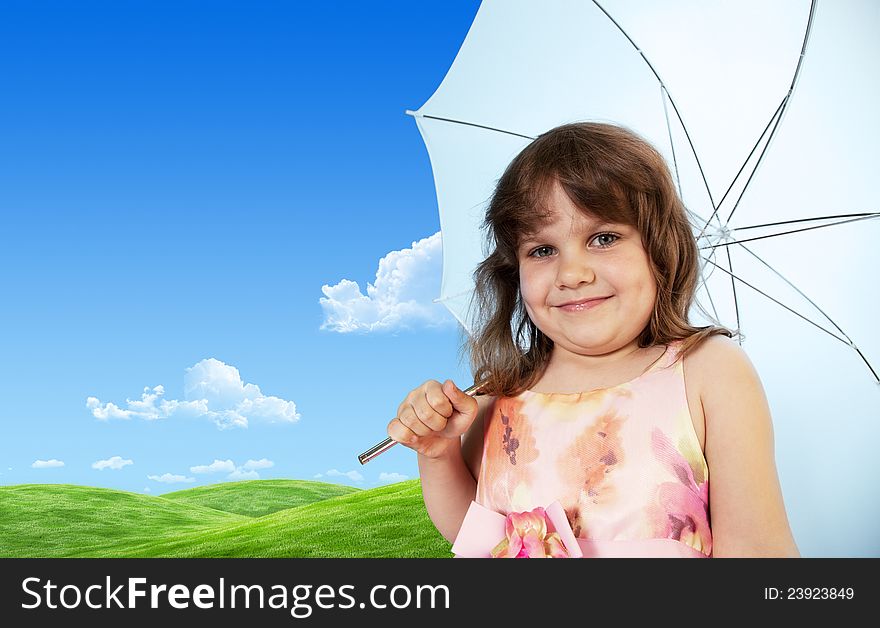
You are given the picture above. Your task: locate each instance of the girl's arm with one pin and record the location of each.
(432, 420)
(449, 482)
(747, 512)
(448, 489)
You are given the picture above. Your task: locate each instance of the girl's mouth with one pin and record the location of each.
(580, 307)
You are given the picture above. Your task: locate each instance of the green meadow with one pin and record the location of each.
(251, 519)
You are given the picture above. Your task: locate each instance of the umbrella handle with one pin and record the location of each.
(388, 443)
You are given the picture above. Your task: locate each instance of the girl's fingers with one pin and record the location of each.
(399, 432)
(423, 413)
(460, 401)
(429, 417)
(411, 420)
(438, 401)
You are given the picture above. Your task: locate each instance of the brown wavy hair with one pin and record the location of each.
(608, 172)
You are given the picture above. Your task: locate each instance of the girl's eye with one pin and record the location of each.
(540, 248)
(607, 235)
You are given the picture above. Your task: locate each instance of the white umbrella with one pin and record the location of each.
(765, 114)
(707, 83)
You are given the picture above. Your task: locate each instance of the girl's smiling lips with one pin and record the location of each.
(582, 304)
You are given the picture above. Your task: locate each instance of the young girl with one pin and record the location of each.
(595, 391)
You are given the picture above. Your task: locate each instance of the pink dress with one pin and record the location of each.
(624, 462)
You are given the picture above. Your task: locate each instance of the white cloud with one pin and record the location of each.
(217, 466)
(108, 411)
(212, 389)
(351, 475)
(47, 464)
(147, 489)
(388, 478)
(262, 463)
(115, 463)
(168, 478)
(247, 471)
(240, 474)
(407, 282)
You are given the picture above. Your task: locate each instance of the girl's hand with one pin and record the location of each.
(433, 417)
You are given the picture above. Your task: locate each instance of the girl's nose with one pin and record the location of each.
(574, 270)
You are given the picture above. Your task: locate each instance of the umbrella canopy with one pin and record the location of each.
(764, 112)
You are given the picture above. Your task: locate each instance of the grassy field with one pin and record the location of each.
(255, 498)
(259, 518)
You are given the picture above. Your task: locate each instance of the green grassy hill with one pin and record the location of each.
(255, 498)
(63, 520)
(43, 520)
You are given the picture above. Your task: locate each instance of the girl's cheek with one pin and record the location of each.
(527, 288)
(532, 291)
(529, 281)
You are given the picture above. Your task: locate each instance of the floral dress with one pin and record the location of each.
(624, 462)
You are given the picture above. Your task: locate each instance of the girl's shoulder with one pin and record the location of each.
(748, 513)
(718, 367)
(714, 352)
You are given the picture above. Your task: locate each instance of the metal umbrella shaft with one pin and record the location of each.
(386, 444)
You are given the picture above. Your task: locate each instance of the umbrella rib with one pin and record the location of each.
(784, 105)
(703, 278)
(751, 152)
(798, 290)
(733, 287)
(671, 143)
(671, 101)
(865, 360)
(693, 214)
(743, 167)
(712, 302)
(780, 110)
(441, 299)
(712, 270)
(788, 222)
(697, 219)
(479, 126)
(832, 334)
(781, 233)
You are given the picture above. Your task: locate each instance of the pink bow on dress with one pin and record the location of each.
(539, 533)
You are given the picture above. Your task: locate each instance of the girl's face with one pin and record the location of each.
(576, 258)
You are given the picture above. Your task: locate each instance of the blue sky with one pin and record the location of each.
(178, 182)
